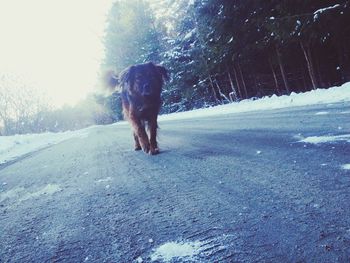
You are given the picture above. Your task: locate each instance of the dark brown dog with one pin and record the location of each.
(141, 86)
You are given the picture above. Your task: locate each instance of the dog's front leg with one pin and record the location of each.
(152, 126)
(140, 135)
(137, 142)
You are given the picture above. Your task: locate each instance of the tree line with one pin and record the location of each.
(221, 51)
(24, 110)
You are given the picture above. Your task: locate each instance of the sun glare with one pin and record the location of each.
(55, 45)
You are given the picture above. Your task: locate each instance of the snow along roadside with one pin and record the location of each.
(13, 147)
(319, 96)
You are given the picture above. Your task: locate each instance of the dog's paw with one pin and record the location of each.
(154, 151)
(146, 148)
(137, 148)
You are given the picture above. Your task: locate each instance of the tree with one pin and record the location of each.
(220, 51)
(20, 105)
(131, 36)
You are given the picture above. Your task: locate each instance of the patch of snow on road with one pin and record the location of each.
(177, 251)
(346, 166)
(49, 189)
(326, 139)
(107, 179)
(11, 194)
(314, 97)
(20, 194)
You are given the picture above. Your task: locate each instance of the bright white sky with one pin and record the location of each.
(55, 45)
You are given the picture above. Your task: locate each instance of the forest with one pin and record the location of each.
(222, 51)
(216, 52)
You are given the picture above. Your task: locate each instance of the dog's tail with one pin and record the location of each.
(110, 80)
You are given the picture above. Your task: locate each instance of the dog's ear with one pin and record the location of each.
(163, 72)
(128, 76)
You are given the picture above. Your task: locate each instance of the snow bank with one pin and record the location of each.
(326, 139)
(319, 96)
(12, 147)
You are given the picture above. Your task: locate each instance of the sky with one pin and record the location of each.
(53, 45)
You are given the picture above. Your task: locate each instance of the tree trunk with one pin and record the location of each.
(233, 93)
(258, 92)
(342, 62)
(305, 87)
(205, 63)
(237, 81)
(274, 78)
(243, 82)
(222, 95)
(284, 77)
(318, 74)
(213, 89)
(307, 55)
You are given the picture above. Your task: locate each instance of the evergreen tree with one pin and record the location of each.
(131, 36)
(220, 51)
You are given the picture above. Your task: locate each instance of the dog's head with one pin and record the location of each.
(145, 80)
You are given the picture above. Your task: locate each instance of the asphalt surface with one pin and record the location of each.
(241, 185)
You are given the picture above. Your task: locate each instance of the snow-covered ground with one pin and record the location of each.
(13, 147)
(314, 97)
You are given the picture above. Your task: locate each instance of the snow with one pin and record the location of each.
(49, 189)
(108, 179)
(326, 139)
(13, 147)
(346, 166)
(21, 194)
(314, 97)
(176, 251)
(320, 11)
(189, 35)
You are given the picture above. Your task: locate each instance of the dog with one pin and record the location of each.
(141, 87)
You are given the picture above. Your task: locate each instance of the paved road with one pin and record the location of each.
(235, 188)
